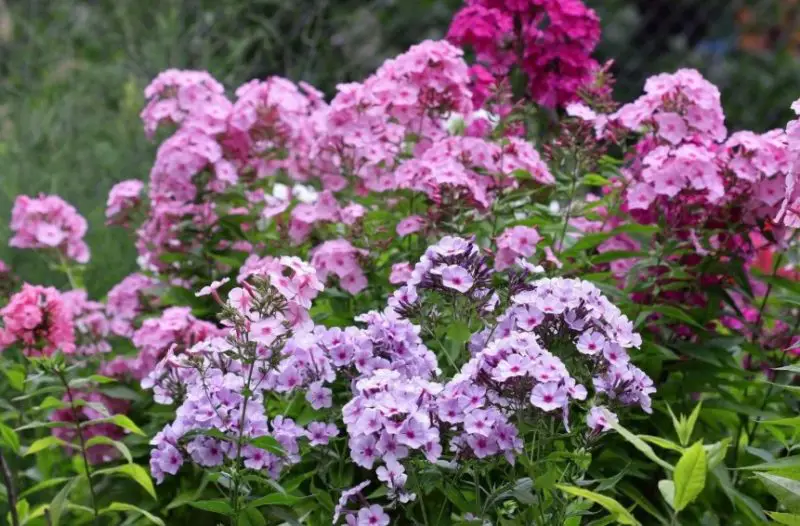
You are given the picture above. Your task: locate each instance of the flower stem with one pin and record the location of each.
(82, 441)
(10, 490)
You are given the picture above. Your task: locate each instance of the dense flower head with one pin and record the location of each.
(90, 406)
(124, 198)
(40, 320)
(789, 213)
(759, 165)
(513, 243)
(178, 95)
(219, 381)
(91, 323)
(175, 326)
(677, 106)
(126, 301)
(341, 259)
(551, 41)
(49, 222)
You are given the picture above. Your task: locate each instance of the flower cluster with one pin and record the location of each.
(551, 41)
(220, 382)
(515, 242)
(520, 368)
(340, 258)
(175, 327)
(40, 319)
(126, 301)
(90, 321)
(123, 199)
(789, 213)
(49, 222)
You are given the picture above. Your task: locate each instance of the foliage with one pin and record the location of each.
(436, 296)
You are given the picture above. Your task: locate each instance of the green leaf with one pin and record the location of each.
(92, 379)
(16, 377)
(595, 180)
(667, 490)
(134, 472)
(690, 475)
(778, 465)
(641, 445)
(617, 510)
(57, 505)
(45, 484)
(251, 517)
(44, 443)
(106, 441)
(690, 423)
(459, 332)
(214, 506)
(715, 452)
(9, 438)
(275, 499)
(122, 506)
(267, 443)
(51, 402)
(675, 313)
(662, 443)
(126, 423)
(630, 491)
(790, 368)
(787, 491)
(789, 422)
(789, 519)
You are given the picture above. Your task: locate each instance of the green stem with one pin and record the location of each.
(82, 441)
(239, 445)
(567, 217)
(8, 480)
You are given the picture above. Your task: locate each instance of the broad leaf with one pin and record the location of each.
(134, 472)
(690, 476)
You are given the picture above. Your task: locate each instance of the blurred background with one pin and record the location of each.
(72, 74)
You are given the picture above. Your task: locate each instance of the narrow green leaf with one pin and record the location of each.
(662, 443)
(44, 443)
(9, 438)
(106, 441)
(274, 499)
(630, 491)
(58, 504)
(45, 484)
(692, 421)
(214, 506)
(690, 475)
(641, 445)
(667, 490)
(789, 519)
(715, 453)
(123, 506)
(51, 402)
(267, 443)
(778, 465)
(126, 423)
(787, 491)
(134, 472)
(617, 510)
